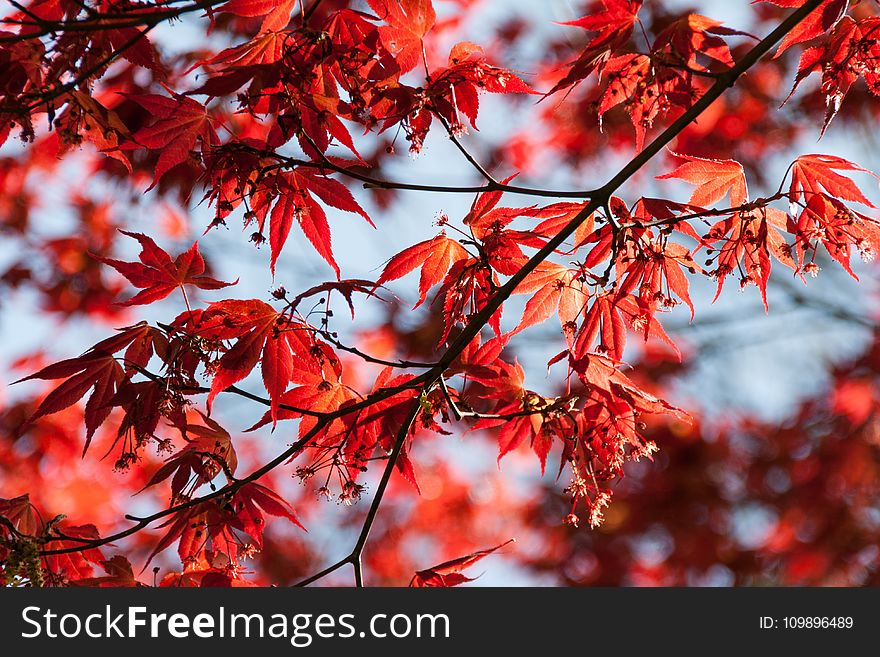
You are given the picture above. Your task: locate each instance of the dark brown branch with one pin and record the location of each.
(354, 558)
(467, 155)
(231, 389)
(229, 489)
(377, 183)
(102, 22)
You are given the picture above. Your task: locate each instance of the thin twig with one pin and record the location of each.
(99, 22)
(467, 155)
(354, 558)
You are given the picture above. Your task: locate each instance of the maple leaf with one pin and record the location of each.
(377, 425)
(21, 514)
(654, 269)
(73, 565)
(204, 457)
(827, 220)
(555, 288)
(250, 503)
(604, 322)
(131, 45)
(111, 128)
(346, 288)
(816, 23)
(449, 572)
(119, 574)
(613, 27)
(262, 335)
(625, 73)
(434, 257)
(212, 525)
(181, 122)
(317, 395)
(715, 179)
(604, 377)
(99, 371)
(253, 330)
(408, 21)
(454, 91)
(696, 35)
(613, 24)
(95, 371)
(467, 289)
(266, 48)
(813, 174)
(557, 216)
(748, 241)
(647, 90)
(517, 430)
(847, 53)
(158, 275)
(520, 414)
(291, 198)
(501, 246)
(275, 13)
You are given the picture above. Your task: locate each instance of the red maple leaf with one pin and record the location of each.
(316, 395)
(276, 13)
(746, 242)
(97, 370)
(817, 22)
(212, 525)
(408, 21)
(625, 74)
(21, 514)
(208, 452)
(78, 564)
(159, 275)
(613, 27)
(715, 179)
(181, 122)
(813, 174)
(291, 199)
(434, 257)
(119, 574)
(449, 573)
(256, 328)
(555, 288)
(696, 35)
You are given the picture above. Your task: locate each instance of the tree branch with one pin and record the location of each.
(428, 379)
(107, 21)
(480, 319)
(354, 558)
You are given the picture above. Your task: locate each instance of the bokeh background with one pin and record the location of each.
(776, 482)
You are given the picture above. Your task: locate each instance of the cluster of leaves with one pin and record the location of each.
(304, 82)
(798, 511)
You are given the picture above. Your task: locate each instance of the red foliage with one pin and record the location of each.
(124, 132)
